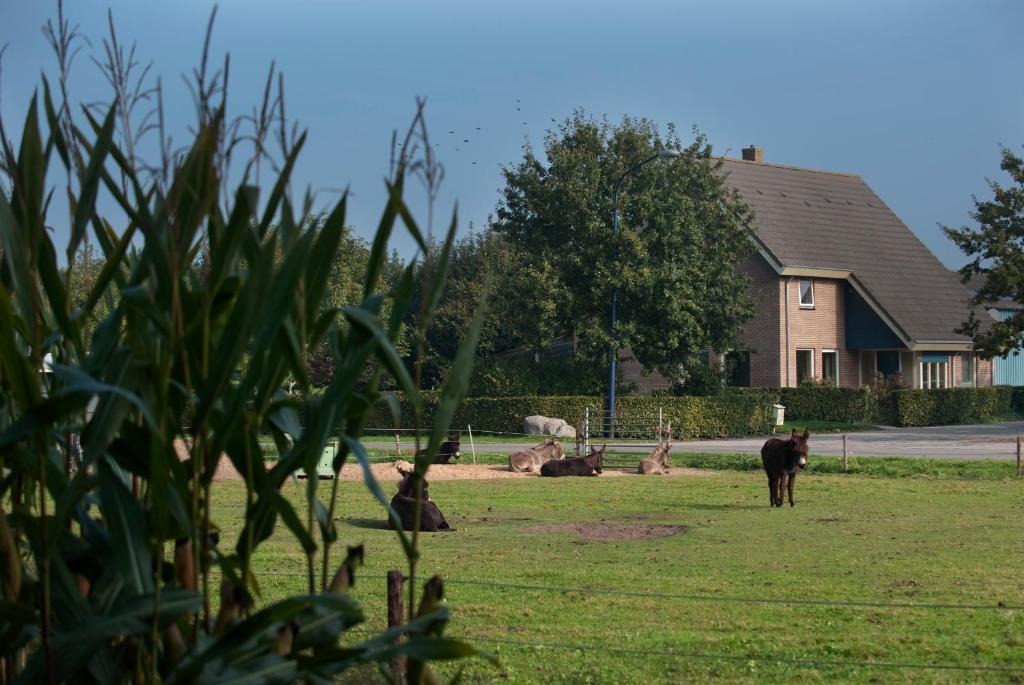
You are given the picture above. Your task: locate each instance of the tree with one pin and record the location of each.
(683, 232)
(996, 249)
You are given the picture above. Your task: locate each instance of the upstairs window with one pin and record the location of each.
(806, 293)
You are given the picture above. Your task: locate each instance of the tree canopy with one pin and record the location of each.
(996, 250)
(682, 234)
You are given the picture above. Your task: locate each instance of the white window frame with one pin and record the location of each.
(835, 380)
(968, 358)
(800, 293)
(797, 362)
(932, 375)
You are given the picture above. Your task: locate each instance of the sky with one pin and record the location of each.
(916, 96)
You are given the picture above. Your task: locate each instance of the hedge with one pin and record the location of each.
(731, 414)
(737, 412)
(827, 403)
(946, 406)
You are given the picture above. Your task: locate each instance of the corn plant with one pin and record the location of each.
(108, 560)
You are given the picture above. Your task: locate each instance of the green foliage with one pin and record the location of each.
(110, 559)
(939, 407)
(552, 375)
(683, 233)
(731, 414)
(996, 249)
(829, 403)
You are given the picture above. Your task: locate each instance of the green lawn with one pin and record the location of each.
(869, 539)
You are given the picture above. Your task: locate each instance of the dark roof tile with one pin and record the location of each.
(833, 220)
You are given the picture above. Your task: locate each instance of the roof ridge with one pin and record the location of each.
(789, 166)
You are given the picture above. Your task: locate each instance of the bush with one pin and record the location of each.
(829, 403)
(730, 414)
(946, 406)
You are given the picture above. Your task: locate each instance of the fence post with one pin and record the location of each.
(1018, 457)
(846, 460)
(472, 447)
(586, 430)
(661, 431)
(395, 581)
(398, 445)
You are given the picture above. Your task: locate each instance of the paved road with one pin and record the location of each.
(985, 441)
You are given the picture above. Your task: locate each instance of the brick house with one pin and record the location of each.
(843, 290)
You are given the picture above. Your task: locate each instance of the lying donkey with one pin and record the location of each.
(590, 465)
(404, 504)
(530, 460)
(450, 449)
(658, 461)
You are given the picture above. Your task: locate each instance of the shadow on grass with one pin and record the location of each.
(722, 507)
(373, 524)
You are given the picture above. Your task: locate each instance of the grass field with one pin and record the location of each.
(850, 538)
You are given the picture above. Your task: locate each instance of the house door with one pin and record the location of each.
(887, 362)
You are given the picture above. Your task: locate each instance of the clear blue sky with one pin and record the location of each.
(913, 95)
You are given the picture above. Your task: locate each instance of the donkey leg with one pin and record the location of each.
(789, 485)
(783, 481)
(771, 491)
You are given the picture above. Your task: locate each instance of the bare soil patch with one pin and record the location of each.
(611, 532)
(389, 471)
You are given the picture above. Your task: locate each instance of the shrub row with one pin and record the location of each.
(730, 414)
(827, 403)
(737, 412)
(945, 406)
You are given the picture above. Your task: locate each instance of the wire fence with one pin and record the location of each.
(543, 644)
(537, 645)
(701, 597)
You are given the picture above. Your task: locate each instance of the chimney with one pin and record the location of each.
(753, 154)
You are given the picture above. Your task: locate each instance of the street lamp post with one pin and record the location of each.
(614, 353)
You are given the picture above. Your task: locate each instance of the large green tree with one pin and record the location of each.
(682, 234)
(996, 250)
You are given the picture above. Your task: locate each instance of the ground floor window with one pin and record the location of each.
(830, 366)
(933, 374)
(804, 365)
(967, 369)
(737, 367)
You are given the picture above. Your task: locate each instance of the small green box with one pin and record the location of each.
(325, 465)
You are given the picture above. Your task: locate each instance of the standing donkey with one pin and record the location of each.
(782, 459)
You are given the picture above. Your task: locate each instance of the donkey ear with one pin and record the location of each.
(793, 433)
(807, 433)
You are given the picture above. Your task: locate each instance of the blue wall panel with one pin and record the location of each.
(1008, 370)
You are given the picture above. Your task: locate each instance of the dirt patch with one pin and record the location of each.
(389, 471)
(610, 532)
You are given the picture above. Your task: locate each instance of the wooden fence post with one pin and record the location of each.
(472, 447)
(846, 458)
(398, 445)
(1018, 457)
(395, 580)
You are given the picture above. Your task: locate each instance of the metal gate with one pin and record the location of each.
(601, 424)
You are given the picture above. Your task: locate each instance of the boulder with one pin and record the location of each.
(534, 425)
(565, 431)
(552, 426)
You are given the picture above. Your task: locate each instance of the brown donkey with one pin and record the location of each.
(658, 462)
(404, 504)
(530, 460)
(782, 459)
(590, 465)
